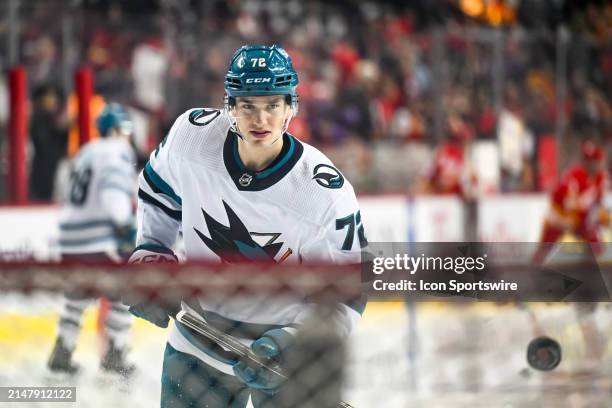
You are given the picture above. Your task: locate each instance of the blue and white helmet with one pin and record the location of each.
(114, 116)
(258, 70)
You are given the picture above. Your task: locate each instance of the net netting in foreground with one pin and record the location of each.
(401, 354)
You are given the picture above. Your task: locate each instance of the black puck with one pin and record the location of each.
(543, 353)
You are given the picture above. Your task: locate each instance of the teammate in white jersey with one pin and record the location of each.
(240, 188)
(96, 226)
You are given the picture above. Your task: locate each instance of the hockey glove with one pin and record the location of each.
(126, 236)
(148, 254)
(271, 347)
(155, 313)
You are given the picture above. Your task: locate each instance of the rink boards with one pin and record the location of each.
(32, 232)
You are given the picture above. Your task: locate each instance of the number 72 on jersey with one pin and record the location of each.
(350, 222)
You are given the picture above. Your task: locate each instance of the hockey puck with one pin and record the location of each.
(543, 353)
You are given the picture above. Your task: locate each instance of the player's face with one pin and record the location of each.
(261, 119)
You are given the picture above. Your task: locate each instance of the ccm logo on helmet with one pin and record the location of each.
(258, 80)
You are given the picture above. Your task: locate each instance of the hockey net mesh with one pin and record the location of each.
(400, 354)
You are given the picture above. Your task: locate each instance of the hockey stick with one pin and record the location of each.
(201, 326)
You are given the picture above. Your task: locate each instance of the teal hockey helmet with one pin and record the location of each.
(258, 70)
(114, 116)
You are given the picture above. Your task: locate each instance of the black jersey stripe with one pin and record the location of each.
(176, 215)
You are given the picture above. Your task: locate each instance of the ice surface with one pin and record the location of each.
(423, 355)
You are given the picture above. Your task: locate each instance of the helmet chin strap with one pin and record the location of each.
(233, 122)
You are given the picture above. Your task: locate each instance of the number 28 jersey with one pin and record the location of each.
(99, 197)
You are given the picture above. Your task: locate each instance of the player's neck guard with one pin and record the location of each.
(248, 180)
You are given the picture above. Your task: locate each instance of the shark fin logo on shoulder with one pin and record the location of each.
(202, 117)
(328, 176)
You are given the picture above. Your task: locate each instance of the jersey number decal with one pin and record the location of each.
(351, 221)
(79, 186)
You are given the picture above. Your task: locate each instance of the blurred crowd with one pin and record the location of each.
(427, 96)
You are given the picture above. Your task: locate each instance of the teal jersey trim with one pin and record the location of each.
(289, 155)
(237, 156)
(176, 215)
(85, 225)
(159, 185)
(87, 241)
(253, 253)
(269, 171)
(281, 163)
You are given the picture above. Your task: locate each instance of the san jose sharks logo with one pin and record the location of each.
(328, 176)
(234, 243)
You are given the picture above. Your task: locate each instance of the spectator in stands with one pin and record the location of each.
(376, 73)
(43, 61)
(451, 172)
(48, 132)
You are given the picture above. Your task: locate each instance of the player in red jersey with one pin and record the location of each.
(445, 176)
(450, 172)
(576, 208)
(576, 202)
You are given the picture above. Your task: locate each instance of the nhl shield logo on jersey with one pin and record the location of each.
(234, 243)
(328, 176)
(202, 117)
(245, 180)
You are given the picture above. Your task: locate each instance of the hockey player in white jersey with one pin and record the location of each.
(97, 226)
(240, 188)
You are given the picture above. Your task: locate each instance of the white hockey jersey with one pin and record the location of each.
(299, 209)
(99, 198)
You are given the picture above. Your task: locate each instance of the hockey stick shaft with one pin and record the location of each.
(230, 343)
(225, 340)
